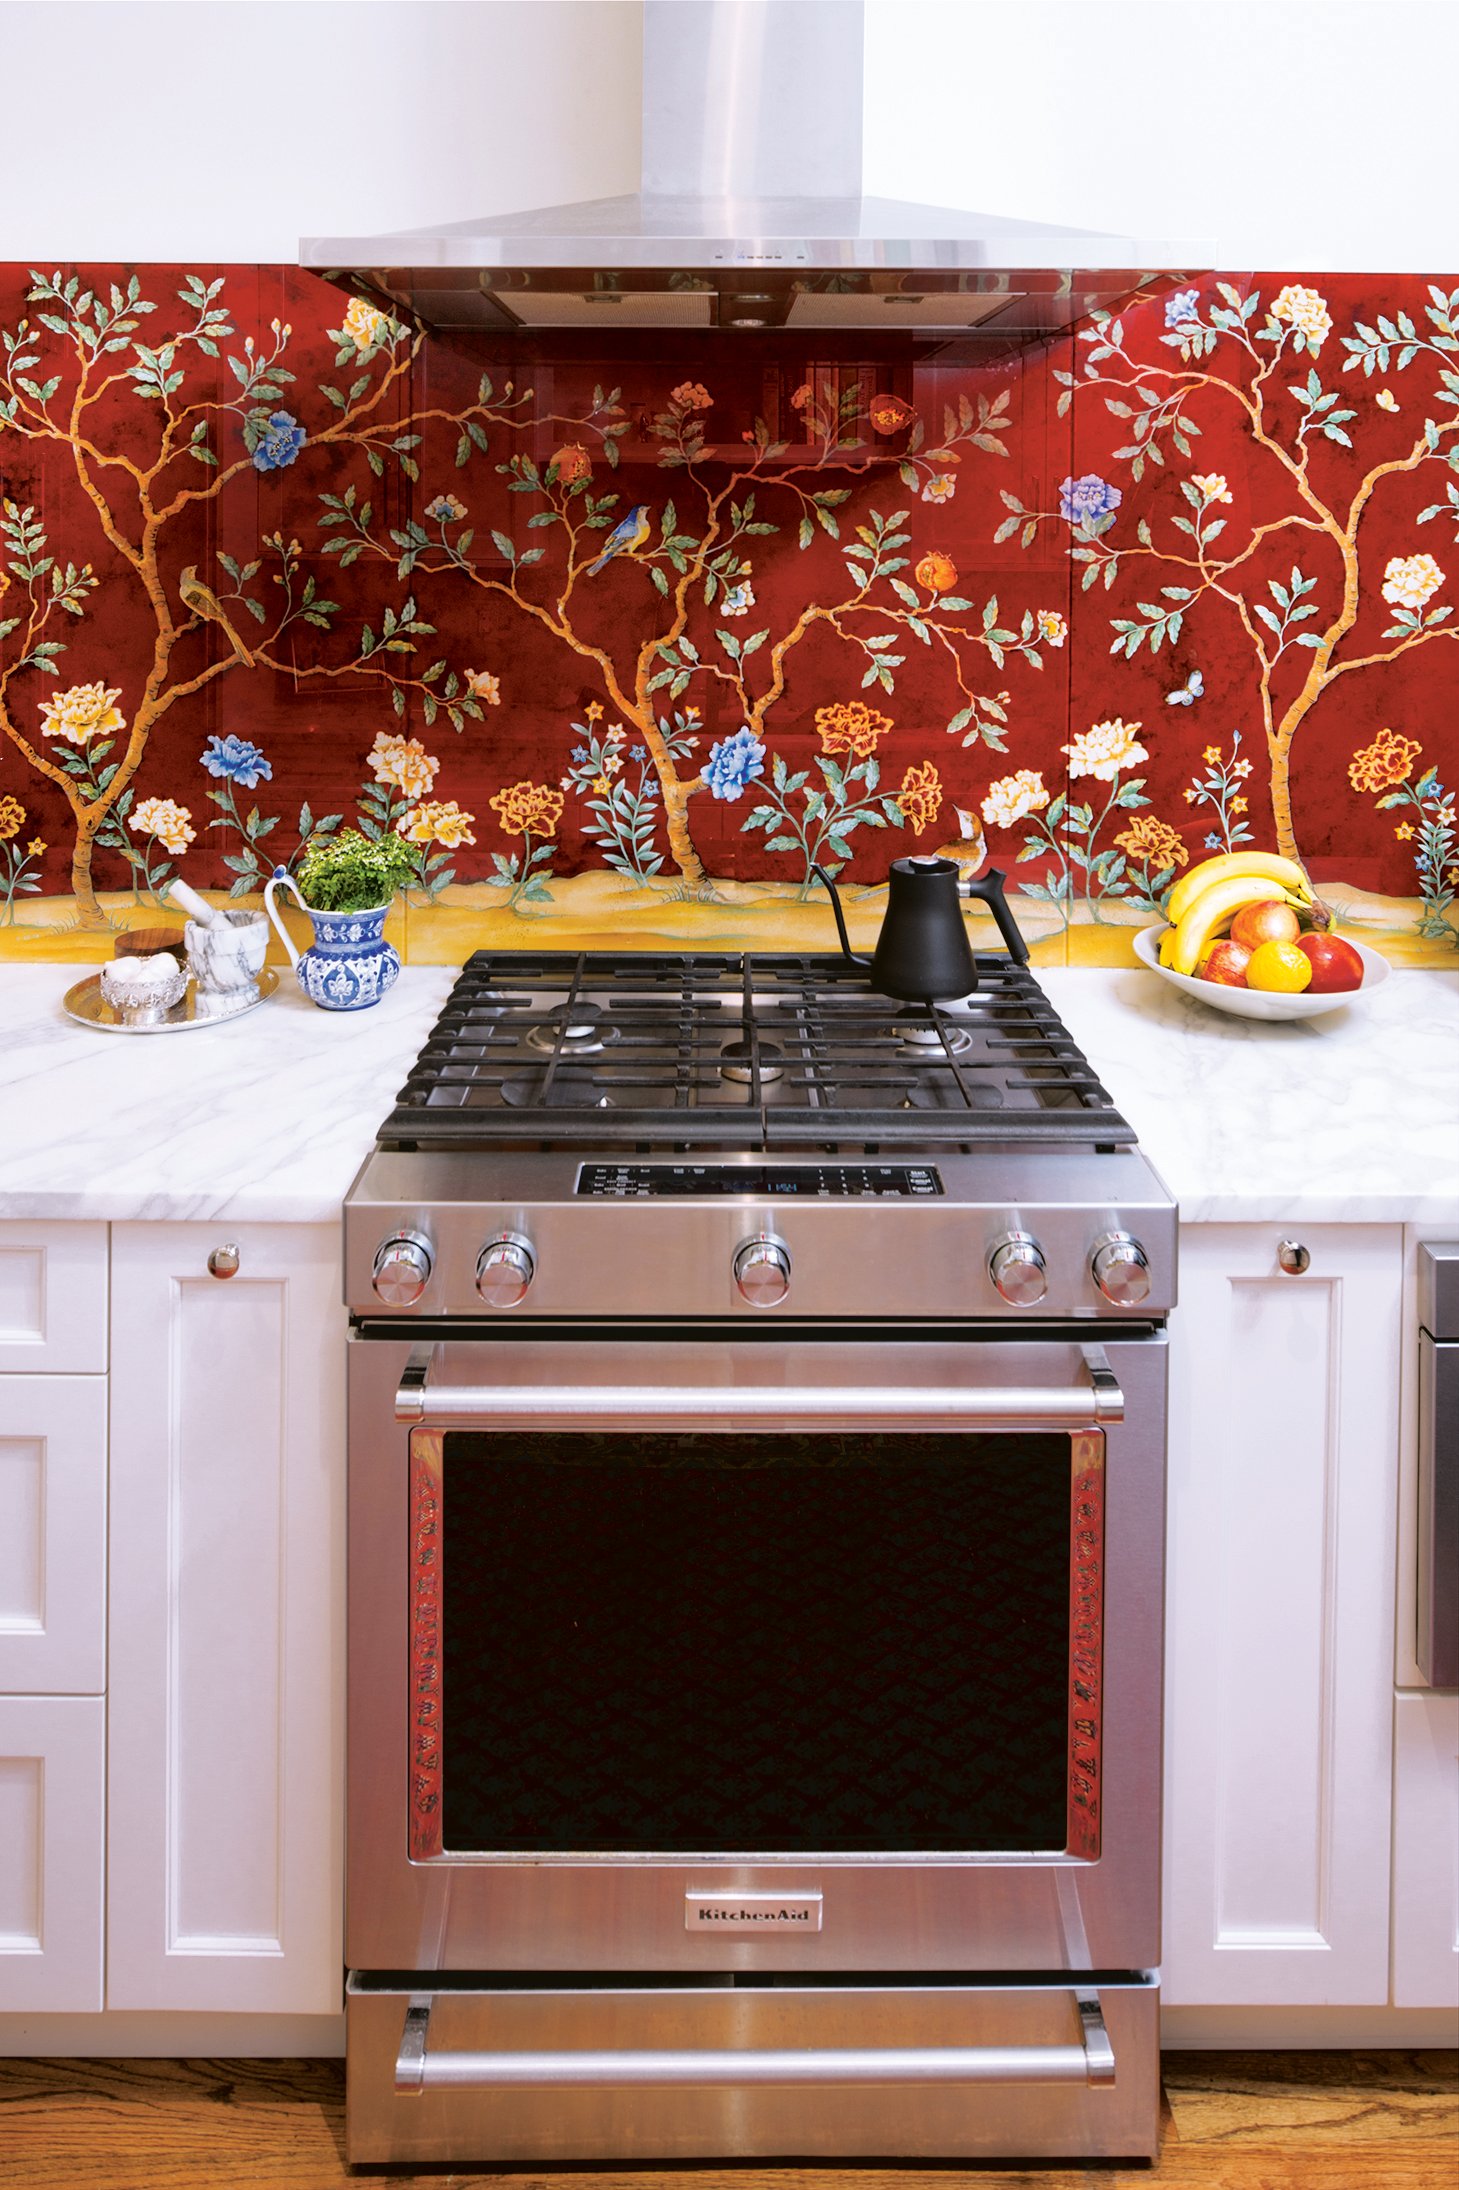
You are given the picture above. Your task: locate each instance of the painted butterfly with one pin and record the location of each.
(1189, 693)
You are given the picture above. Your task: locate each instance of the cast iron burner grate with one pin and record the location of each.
(776, 1051)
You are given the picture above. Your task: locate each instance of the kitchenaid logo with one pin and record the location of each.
(760, 1911)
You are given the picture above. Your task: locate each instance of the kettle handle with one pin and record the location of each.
(990, 889)
(282, 880)
(846, 950)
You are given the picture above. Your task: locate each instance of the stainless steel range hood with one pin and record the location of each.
(750, 214)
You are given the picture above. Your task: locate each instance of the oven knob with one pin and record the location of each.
(762, 1270)
(1016, 1267)
(402, 1269)
(1120, 1269)
(504, 1269)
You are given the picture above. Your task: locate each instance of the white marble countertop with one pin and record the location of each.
(1353, 1117)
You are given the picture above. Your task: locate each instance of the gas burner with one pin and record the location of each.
(578, 1030)
(738, 1060)
(572, 1087)
(931, 1039)
(944, 1093)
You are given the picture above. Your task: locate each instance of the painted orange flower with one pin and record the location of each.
(920, 796)
(691, 395)
(1154, 843)
(850, 726)
(569, 464)
(801, 397)
(889, 414)
(528, 809)
(936, 571)
(12, 816)
(1387, 761)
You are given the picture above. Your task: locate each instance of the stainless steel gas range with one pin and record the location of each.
(757, 1418)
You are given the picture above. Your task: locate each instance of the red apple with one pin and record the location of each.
(1335, 964)
(1225, 962)
(1269, 921)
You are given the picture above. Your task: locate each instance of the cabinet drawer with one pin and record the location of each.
(52, 1837)
(1425, 1836)
(52, 1535)
(53, 1297)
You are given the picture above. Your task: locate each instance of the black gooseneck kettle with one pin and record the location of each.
(923, 955)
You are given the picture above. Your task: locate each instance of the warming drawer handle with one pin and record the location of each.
(866, 1405)
(418, 2070)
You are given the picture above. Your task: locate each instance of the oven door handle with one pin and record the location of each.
(417, 2069)
(868, 1406)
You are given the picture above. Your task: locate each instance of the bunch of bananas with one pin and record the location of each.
(1204, 902)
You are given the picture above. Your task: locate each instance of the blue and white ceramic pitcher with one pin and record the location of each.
(349, 964)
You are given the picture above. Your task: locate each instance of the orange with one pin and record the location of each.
(1279, 966)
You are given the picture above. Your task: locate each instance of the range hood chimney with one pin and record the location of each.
(750, 214)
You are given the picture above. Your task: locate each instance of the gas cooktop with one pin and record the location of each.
(744, 1052)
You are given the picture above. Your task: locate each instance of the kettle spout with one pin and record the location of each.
(846, 951)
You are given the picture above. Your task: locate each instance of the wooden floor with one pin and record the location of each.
(1233, 2121)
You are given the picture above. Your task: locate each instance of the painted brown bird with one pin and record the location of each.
(970, 850)
(203, 602)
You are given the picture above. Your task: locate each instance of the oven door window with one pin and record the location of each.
(797, 1644)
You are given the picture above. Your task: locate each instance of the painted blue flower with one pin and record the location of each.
(638, 752)
(1082, 501)
(280, 442)
(236, 759)
(1213, 843)
(1181, 307)
(580, 756)
(733, 763)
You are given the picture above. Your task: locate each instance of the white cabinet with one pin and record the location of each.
(1426, 1851)
(52, 1535)
(53, 1297)
(1283, 1475)
(225, 1773)
(52, 1789)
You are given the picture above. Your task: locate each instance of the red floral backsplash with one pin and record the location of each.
(641, 630)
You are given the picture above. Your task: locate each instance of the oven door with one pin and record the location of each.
(678, 1653)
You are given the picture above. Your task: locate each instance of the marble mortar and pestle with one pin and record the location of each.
(225, 945)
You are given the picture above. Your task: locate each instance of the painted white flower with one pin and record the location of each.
(1052, 628)
(1408, 580)
(1211, 486)
(739, 600)
(402, 762)
(365, 326)
(1386, 400)
(1104, 749)
(1013, 797)
(84, 712)
(482, 685)
(164, 818)
(1305, 310)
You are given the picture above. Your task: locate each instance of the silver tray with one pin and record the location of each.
(86, 1003)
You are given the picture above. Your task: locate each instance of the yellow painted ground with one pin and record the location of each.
(601, 911)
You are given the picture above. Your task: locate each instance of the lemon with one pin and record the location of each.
(1280, 967)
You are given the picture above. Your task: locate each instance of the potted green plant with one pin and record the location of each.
(345, 884)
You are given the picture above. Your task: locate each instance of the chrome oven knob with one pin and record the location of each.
(402, 1269)
(1017, 1268)
(762, 1270)
(504, 1269)
(1120, 1269)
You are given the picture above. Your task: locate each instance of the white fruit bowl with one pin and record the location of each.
(1262, 1003)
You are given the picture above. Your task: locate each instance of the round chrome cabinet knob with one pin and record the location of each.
(505, 1268)
(1120, 1269)
(1017, 1268)
(762, 1270)
(402, 1269)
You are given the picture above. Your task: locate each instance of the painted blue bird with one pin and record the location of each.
(626, 538)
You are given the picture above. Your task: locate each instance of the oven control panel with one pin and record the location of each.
(811, 1182)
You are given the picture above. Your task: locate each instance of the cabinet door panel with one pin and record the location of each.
(52, 1831)
(1282, 1499)
(227, 1646)
(53, 1297)
(1426, 1851)
(52, 1535)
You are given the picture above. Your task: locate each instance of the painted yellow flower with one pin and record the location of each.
(528, 809)
(1211, 486)
(594, 710)
(1386, 400)
(1154, 843)
(482, 685)
(1408, 580)
(920, 796)
(1238, 805)
(12, 816)
(1211, 755)
(1305, 310)
(601, 786)
(1013, 797)
(1387, 761)
(1403, 829)
(402, 762)
(691, 395)
(437, 822)
(850, 726)
(36, 849)
(365, 326)
(1190, 797)
(84, 712)
(164, 818)
(1104, 749)
(1052, 628)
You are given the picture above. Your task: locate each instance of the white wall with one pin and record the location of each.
(1286, 134)
(228, 129)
